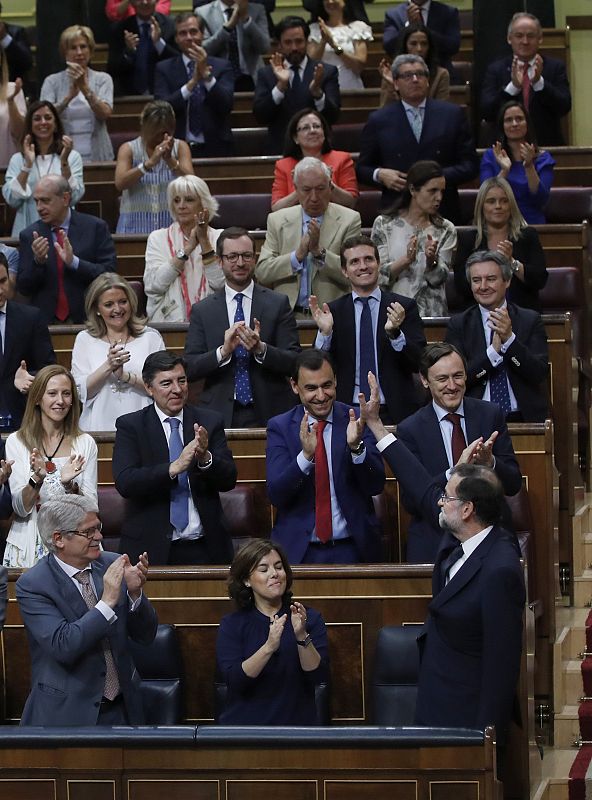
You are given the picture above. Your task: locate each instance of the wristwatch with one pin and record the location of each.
(181, 255)
(320, 255)
(359, 449)
(305, 642)
(338, 50)
(515, 265)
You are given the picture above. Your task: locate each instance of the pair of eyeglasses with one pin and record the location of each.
(445, 498)
(306, 128)
(88, 533)
(408, 76)
(233, 258)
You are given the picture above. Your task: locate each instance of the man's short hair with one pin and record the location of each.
(489, 255)
(63, 514)
(358, 240)
(518, 15)
(161, 361)
(311, 359)
(233, 232)
(432, 353)
(307, 163)
(291, 22)
(407, 58)
(185, 15)
(4, 262)
(58, 183)
(480, 486)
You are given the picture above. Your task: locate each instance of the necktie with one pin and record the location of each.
(323, 518)
(179, 512)
(141, 63)
(451, 558)
(62, 306)
(498, 387)
(112, 688)
(416, 123)
(366, 346)
(195, 103)
(296, 80)
(242, 380)
(233, 55)
(458, 438)
(526, 85)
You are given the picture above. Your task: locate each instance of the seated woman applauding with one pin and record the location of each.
(51, 457)
(272, 651)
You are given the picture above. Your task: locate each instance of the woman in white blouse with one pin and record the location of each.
(339, 39)
(13, 108)
(82, 97)
(181, 265)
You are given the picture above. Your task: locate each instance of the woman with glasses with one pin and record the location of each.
(308, 135)
(181, 265)
(51, 457)
(417, 40)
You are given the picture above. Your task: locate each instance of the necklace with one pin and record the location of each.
(50, 165)
(49, 465)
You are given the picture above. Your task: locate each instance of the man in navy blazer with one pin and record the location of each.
(440, 19)
(87, 251)
(390, 145)
(74, 640)
(176, 79)
(428, 435)
(516, 340)
(13, 39)
(356, 472)
(548, 97)
(293, 81)
(396, 326)
(147, 474)
(471, 643)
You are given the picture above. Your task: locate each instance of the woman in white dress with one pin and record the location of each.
(108, 356)
(52, 457)
(415, 243)
(339, 39)
(44, 151)
(82, 97)
(181, 265)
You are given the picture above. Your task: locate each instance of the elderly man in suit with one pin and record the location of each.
(505, 346)
(242, 340)
(170, 461)
(540, 84)
(62, 253)
(79, 605)
(300, 255)
(238, 32)
(200, 88)
(292, 81)
(415, 128)
(370, 330)
(440, 19)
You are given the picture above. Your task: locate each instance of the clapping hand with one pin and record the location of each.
(72, 468)
(322, 316)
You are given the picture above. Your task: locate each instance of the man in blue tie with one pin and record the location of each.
(170, 461)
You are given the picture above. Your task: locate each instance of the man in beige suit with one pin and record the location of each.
(300, 255)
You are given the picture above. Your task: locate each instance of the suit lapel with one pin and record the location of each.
(74, 606)
(156, 435)
(337, 437)
(466, 573)
(330, 226)
(434, 435)
(257, 306)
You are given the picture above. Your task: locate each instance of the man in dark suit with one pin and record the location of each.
(201, 90)
(505, 346)
(471, 643)
(79, 605)
(415, 128)
(243, 340)
(540, 84)
(322, 472)
(62, 253)
(136, 45)
(13, 40)
(388, 332)
(170, 461)
(440, 19)
(291, 82)
(439, 433)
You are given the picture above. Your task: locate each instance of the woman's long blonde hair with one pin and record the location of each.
(31, 431)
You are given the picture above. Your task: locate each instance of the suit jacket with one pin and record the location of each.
(122, 61)
(5, 513)
(443, 23)
(284, 231)
(395, 370)
(3, 595)
(293, 493)
(18, 53)
(170, 77)
(65, 643)
(252, 39)
(526, 360)
(388, 142)
(276, 117)
(27, 338)
(269, 381)
(91, 242)
(141, 469)
(422, 436)
(545, 107)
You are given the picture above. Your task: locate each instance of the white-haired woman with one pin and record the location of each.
(181, 265)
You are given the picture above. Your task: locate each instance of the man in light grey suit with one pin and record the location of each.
(301, 252)
(79, 604)
(237, 31)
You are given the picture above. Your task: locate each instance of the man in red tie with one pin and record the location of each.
(62, 253)
(322, 471)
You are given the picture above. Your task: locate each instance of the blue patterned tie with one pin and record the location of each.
(180, 492)
(195, 103)
(296, 80)
(142, 60)
(366, 346)
(416, 123)
(498, 387)
(242, 380)
(233, 54)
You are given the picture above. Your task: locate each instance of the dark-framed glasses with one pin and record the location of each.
(88, 533)
(232, 258)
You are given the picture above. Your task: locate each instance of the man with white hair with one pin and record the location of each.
(300, 255)
(79, 605)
